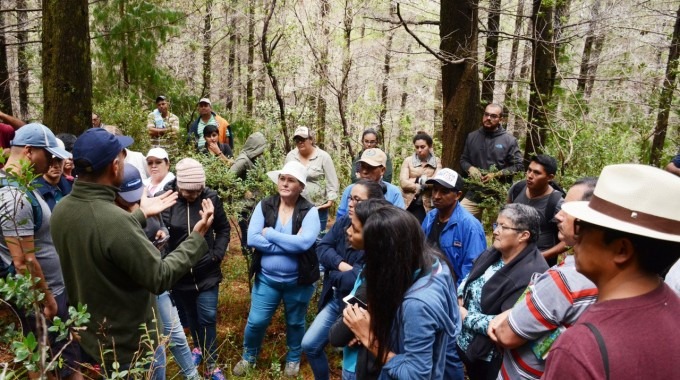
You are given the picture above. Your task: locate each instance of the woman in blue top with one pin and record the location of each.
(342, 264)
(412, 320)
(282, 229)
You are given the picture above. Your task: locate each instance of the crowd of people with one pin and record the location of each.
(570, 284)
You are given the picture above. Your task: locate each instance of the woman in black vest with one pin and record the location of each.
(495, 283)
(283, 230)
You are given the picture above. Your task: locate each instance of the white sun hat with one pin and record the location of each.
(638, 199)
(293, 168)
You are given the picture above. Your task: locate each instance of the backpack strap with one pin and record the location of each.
(602, 346)
(517, 189)
(35, 204)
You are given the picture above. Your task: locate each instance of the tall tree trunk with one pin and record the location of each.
(460, 82)
(126, 42)
(346, 67)
(67, 93)
(22, 58)
(491, 51)
(666, 95)
(384, 91)
(251, 58)
(232, 16)
(404, 91)
(594, 62)
(588, 47)
(542, 77)
(522, 87)
(5, 93)
(207, 48)
(321, 104)
(267, 52)
(512, 70)
(560, 19)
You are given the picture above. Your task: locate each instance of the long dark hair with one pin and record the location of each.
(395, 248)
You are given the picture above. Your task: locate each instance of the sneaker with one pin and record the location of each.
(196, 356)
(242, 367)
(292, 369)
(217, 375)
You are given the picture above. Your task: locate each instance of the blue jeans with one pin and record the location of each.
(323, 219)
(178, 341)
(265, 299)
(200, 308)
(316, 338)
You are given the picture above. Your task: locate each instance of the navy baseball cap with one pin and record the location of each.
(132, 187)
(97, 148)
(39, 136)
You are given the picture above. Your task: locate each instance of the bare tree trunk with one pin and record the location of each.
(207, 48)
(512, 70)
(251, 58)
(666, 95)
(542, 77)
(404, 92)
(384, 92)
(460, 82)
(67, 93)
(346, 67)
(126, 43)
(267, 51)
(491, 52)
(5, 93)
(588, 47)
(560, 19)
(231, 15)
(22, 58)
(522, 87)
(321, 104)
(594, 62)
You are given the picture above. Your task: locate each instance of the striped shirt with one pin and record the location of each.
(553, 302)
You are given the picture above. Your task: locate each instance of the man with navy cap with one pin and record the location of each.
(26, 245)
(109, 264)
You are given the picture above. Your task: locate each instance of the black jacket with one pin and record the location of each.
(498, 148)
(504, 288)
(206, 273)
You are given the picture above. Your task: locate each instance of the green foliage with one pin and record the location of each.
(130, 34)
(126, 113)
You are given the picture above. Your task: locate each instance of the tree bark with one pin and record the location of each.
(542, 77)
(491, 52)
(460, 82)
(346, 67)
(512, 70)
(267, 52)
(321, 104)
(5, 93)
(22, 58)
(67, 93)
(207, 48)
(384, 91)
(666, 95)
(594, 62)
(251, 58)
(231, 15)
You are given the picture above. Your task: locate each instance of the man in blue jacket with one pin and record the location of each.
(452, 229)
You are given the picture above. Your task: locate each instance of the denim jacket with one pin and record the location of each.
(429, 323)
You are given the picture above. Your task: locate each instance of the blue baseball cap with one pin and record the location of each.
(39, 136)
(97, 148)
(132, 187)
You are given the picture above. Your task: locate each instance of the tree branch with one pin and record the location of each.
(437, 55)
(395, 22)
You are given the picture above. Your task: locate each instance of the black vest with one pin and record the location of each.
(308, 262)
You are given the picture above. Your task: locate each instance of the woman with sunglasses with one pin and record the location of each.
(322, 182)
(342, 263)
(495, 283)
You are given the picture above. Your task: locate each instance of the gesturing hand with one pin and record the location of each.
(156, 205)
(207, 215)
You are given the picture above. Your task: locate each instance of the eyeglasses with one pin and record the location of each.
(370, 142)
(299, 140)
(503, 228)
(356, 200)
(156, 162)
(580, 226)
(491, 115)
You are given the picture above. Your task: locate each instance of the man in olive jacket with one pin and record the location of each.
(107, 261)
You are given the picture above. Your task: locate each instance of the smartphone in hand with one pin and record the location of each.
(352, 300)
(160, 243)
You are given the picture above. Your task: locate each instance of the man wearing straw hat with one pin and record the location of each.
(627, 236)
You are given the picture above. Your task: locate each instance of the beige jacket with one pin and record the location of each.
(411, 171)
